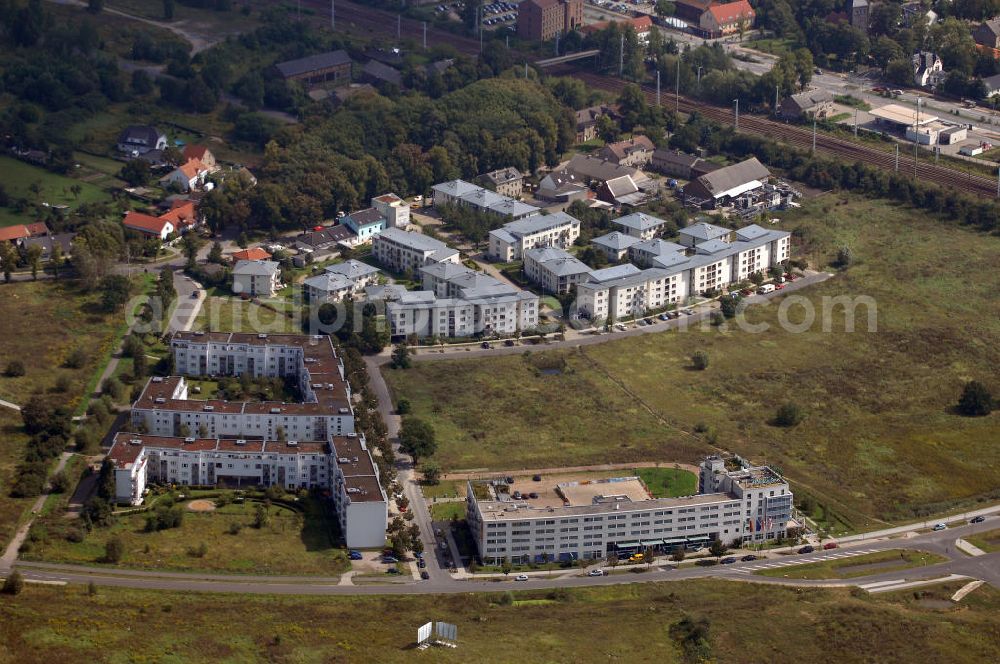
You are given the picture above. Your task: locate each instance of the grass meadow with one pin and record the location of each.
(879, 441)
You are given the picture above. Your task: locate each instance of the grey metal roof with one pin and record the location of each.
(262, 268)
(811, 98)
(330, 283)
(503, 236)
(352, 269)
(510, 207)
(538, 223)
(657, 247)
(445, 271)
(558, 262)
(382, 72)
(674, 157)
(615, 240)
(592, 168)
(614, 272)
(313, 63)
(145, 135)
(712, 246)
(416, 241)
(703, 231)
(455, 188)
(639, 221)
(724, 179)
(365, 217)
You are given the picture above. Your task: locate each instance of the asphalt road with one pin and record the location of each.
(986, 568)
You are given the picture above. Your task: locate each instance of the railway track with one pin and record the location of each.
(372, 20)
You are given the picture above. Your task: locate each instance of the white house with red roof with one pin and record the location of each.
(187, 176)
(202, 154)
(144, 223)
(727, 19)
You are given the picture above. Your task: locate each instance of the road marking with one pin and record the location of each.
(800, 561)
(903, 584)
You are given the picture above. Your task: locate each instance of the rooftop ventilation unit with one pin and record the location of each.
(157, 379)
(262, 336)
(352, 435)
(317, 386)
(275, 411)
(343, 460)
(135, 441)
(355, 459)
(352, 489)
(160, 400)
(293, 443)
(208, 408)
(241, 442)
(345, 411)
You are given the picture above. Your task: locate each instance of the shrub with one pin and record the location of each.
(700, 360)
(74, 535)
(76, 359)
(15, 368)
(976, 400)
(63, 384)
(13, 584)
(403, 407)
(844, 258)
(788, 415)
(60, 482)
(198, 551)
(114, 550)
(235, 528)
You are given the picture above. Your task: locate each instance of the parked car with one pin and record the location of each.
(806, 549)
(521, 577)
(830, 545)
(688, 312)
(485, 345)
(728, 561)
(390, 560)
(517, 495)
(779, 287)
(444, 546)
(664, 317)
(940, 526)
(508, 342)
(978, 519)
(424, 575)
(746, 292)
(596, 572)
(421, 563)
(533, 494)
(749, 557)
(356, 555)
(509, 479)
(536, 478)
(392, 570)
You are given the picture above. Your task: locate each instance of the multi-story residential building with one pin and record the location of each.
(641, 225)
(404, 251)
(466, 194)
(366, 224)
(509, 242)
(635, 152)
(505, 181)
(542, 20)
(643, 253)
(339, 281)
(625, 291)
(706, 260)
(593, 519)
(342, 465)
(395, 210)
(256, 278)
(614, 245)
(555, 270)
(310, 444)
(424, 314)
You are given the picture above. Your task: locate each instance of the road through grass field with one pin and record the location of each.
(629, 623)
(879, 440)
(847, 568)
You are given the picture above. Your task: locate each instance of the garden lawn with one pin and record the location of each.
(848, 568)
(55, 190)
(622, 623)
(879, 441)
(668, 482)
(235, 315)
(293, 543)
(448, 511)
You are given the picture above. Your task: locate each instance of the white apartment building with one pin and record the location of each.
(707, 261)
(403, 251)
(342, 466)
(509, 242)
(394, 209)
(625, 291)
(256, 278)
(591, 520)
(640, 225)
(466, 194)
(615, 245)
(338, 281)
(424, 314)
(554, 269)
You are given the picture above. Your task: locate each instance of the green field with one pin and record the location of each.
(879, 440)
(294, 542)
(849, 568)
(988, 541)
(626, 623)
(448, 511)
(18, 177)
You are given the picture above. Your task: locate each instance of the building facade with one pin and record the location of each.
(509, 242)
(505, 181)
(542, 20)
(256, 278)
(555, 270)
(616, 516)
(404, 251)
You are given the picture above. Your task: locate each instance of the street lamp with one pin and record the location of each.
(737, 102)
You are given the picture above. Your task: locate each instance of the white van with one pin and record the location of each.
(765, 289)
